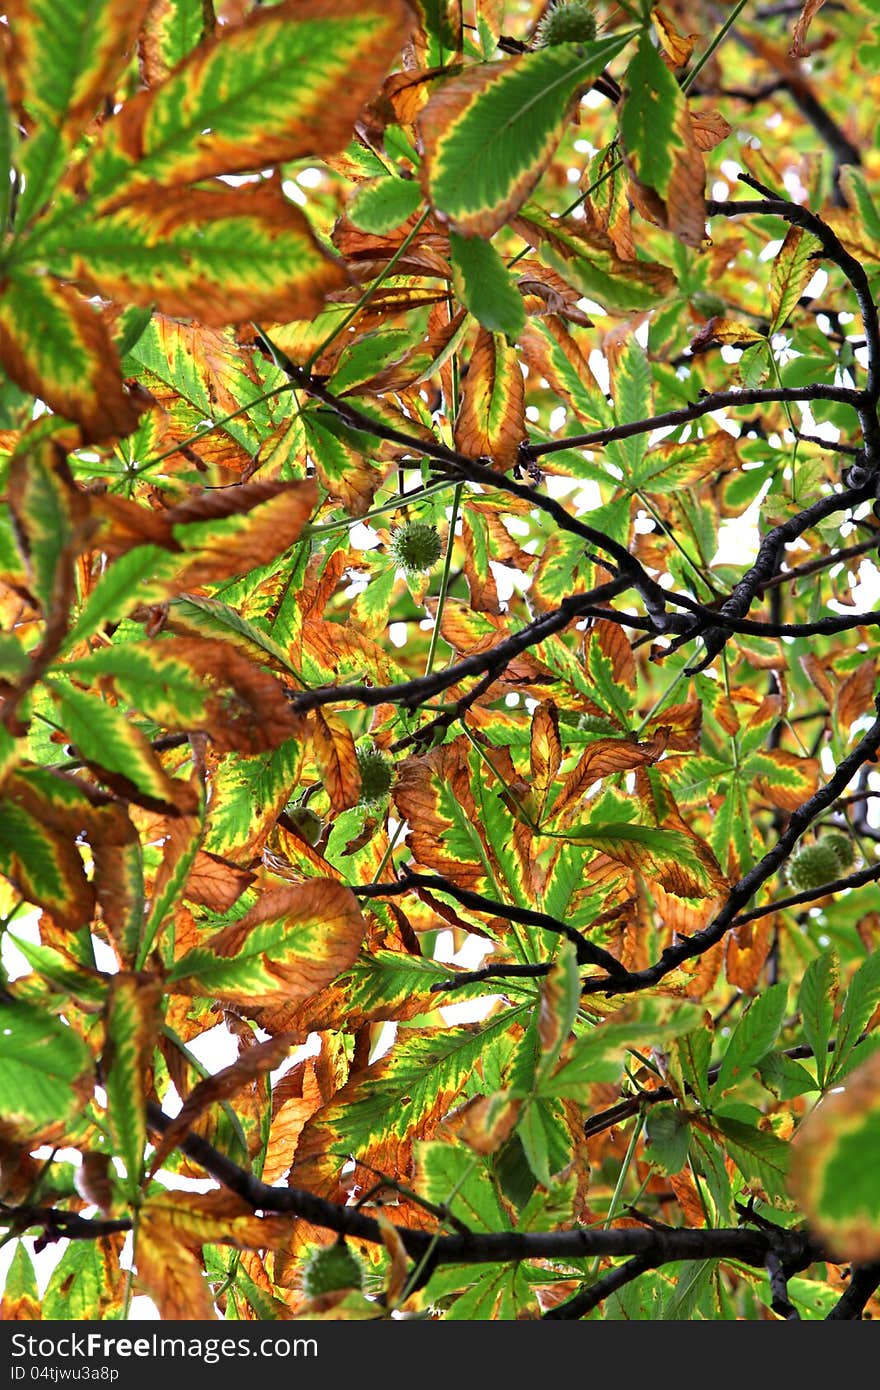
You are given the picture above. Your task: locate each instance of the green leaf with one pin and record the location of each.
(670, 854)
(545, 1137)
(454, 1178)
(64, 69)
(131, 1023)
(858, 195)
(816, 1006)
(693, 1282)
(46, 1070)
(752, 1037)
(291, 944)
(105, 739)
(499, 1293)
(755, 364)
(44, 864)
(54, 345)
(834, 1166)
(485, 285)
(289, 81)
(669, 1137)
(861, 999)
(382, 204)
(793, 268)
(61, 972)
(44, 504)
(648, 116)
(592, 267)
(420, 1075)
(208, 617)
(218, 254)
(560, 1001)
(599, 1055)
(758, 1154)
(490, 132)
(141, 576)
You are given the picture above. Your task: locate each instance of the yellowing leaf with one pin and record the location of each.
(793, 268)
(286, 82)
(254, 1062)
(490, 132)
(56, 346)
(131, 1022)
(336, 758)
(222, 255)
(491, 422)
(294, 941)
(833, 1166)
(58, 74)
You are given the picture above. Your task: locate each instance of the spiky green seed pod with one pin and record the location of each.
(329, 1269)
(812, 866)
(416, 547)
(842, 847)
(574, 22)
(306, 823)
(377, 775)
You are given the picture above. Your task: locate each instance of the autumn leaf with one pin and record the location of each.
(491, 422)
(296, 939)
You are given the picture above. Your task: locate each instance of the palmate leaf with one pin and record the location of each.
(235, 104)
(64, 58)
(490, 133)
(387, 1101)
(222, 255)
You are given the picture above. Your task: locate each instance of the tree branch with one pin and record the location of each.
(688, 947)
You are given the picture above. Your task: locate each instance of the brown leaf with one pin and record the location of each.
(335, 755)
(602, 758)
(215, 883)
(256, 1061)
(170, 1274)
(322, 123)
(709, 128)
(817, 671)
(677, 46)
(545, 751)
(856, 694)
(248, 710)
